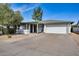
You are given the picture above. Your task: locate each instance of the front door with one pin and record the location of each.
(33, 28)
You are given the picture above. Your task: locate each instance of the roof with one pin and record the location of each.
(48, 22)
(75, 25)
(55, 21)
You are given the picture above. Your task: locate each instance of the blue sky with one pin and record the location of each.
(51, 11)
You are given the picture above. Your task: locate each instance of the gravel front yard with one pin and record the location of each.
(40, 45)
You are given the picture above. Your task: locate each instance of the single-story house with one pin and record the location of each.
(46, 26)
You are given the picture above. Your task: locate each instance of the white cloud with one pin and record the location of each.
(20, 8)
(26, 7)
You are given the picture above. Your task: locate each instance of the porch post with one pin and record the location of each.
(37, 28)
(26, 27)
(29, 28)
(33, 28)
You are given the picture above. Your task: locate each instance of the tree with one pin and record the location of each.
(17, 18)
(1, 16)
(9, 13)
(9, 17)
(37, 15)
(5, 14)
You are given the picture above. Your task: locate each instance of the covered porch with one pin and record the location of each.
(32, 28)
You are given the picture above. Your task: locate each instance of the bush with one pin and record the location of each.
(9, 31)
(5, 30)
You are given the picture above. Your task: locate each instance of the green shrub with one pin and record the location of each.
(5, 30)
(11, 31)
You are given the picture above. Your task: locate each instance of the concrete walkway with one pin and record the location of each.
(40, 45)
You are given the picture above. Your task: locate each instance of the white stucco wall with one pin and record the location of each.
(39, 28)
(57, 28)
(68, 28)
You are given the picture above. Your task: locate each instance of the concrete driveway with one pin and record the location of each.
(40, 45)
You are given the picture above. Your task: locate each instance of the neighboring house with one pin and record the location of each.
(75, 28)
(47, 26)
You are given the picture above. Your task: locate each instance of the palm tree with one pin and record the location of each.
(37, 15)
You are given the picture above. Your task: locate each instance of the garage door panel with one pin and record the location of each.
(55, 29)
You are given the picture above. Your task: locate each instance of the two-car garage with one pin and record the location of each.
(59, 28)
